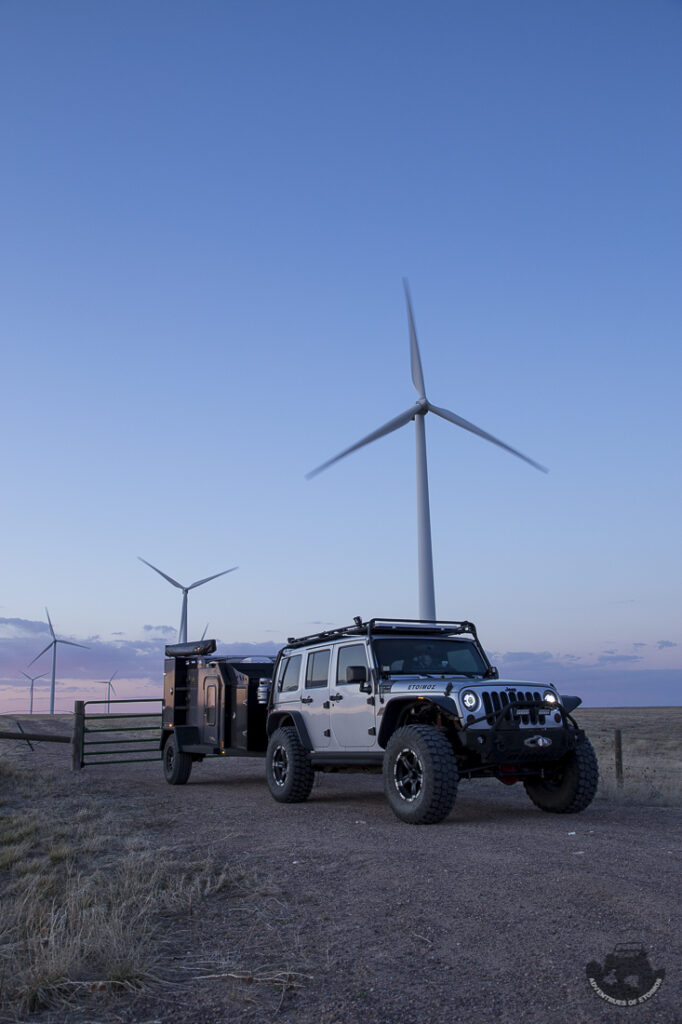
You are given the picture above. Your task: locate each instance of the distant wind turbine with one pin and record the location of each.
(110, 689)
(182, 633)
(417, 412)
(53, 644)
(32, 680)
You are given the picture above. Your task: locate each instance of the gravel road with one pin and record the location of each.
(488, 918)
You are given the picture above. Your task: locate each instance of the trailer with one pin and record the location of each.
(211, 707)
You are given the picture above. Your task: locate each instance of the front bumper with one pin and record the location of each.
(508, 738)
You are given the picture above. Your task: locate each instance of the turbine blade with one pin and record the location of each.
(165, 576)
(49, 622)
(460, 422)
(53, 642)
(72, 643)
(203, 635)
(209, 578)
(415, 358)
(113, 690)
(388, 428)
(115, 674)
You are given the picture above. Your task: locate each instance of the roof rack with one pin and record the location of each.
(403, 627)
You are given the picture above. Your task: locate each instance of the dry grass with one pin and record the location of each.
(652, 753)
(87, 910)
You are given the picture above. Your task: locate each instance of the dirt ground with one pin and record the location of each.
(349, 916)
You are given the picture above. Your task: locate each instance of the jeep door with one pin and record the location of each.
(353, 715)
(315, 697)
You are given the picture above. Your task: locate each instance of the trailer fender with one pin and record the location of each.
(184, 734)
(294, 718)
(394, 711)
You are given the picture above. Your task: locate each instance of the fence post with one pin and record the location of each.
(618, 750)
(78, 735)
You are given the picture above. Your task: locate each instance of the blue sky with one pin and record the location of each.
(206, 212)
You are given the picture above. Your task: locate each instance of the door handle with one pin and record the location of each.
(306, 700)
(336, 696)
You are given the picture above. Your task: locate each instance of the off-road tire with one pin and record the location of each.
(573, 786)
(420, 774)
(176, 764)
(288, 770)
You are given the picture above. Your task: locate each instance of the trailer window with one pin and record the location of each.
(317, 671)
(349, 656)
(288, 679)
(211, 692)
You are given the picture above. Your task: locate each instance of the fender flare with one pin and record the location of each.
(275, 720)
(393, 710)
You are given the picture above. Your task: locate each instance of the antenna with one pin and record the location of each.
(182, 632)
(417, 412)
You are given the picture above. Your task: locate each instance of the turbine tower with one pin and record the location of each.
(32, 680)
(182, 633)
(417, 412)
(53, 644)
(110, 689)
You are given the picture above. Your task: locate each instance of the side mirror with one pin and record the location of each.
(492, 673)
(356, 674)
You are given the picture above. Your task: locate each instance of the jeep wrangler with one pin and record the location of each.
(421, 703)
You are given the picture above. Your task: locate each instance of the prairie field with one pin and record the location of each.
(126, 900)
(651, 741)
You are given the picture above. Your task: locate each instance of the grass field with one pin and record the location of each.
(652, 752)
(90, 886)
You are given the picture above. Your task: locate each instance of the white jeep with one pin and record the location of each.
(422, 703)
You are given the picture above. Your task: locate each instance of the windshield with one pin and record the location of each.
(416, 656)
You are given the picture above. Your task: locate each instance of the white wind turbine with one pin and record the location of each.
(32, 680)
(182, 633)
(417, 412)
(110, 689)
(53, 644)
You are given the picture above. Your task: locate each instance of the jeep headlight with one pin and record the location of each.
(469, 700)
(550, 697)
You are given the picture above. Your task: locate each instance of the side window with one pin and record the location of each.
(211, 698)
(349, 657)
(317, 672)
(288, 679)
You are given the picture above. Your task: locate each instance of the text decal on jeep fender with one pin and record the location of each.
(421, 686)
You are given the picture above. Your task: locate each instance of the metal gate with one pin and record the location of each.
(115, 738)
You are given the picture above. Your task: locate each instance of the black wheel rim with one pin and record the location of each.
(408, 775)
(280, 765)
(170, 758)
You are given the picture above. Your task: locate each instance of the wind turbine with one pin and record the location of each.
(182, 633)
(110, 689)
(417, 412)
(32, 680)
(53, 644)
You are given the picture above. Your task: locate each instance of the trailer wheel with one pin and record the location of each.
(571, 787)
(420, 774)
(288, 770)
(176, 764)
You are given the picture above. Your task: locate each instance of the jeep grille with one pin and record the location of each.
(495, 700)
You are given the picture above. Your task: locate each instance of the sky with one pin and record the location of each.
(207, 210)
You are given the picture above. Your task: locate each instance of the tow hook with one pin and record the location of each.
(537, 741)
